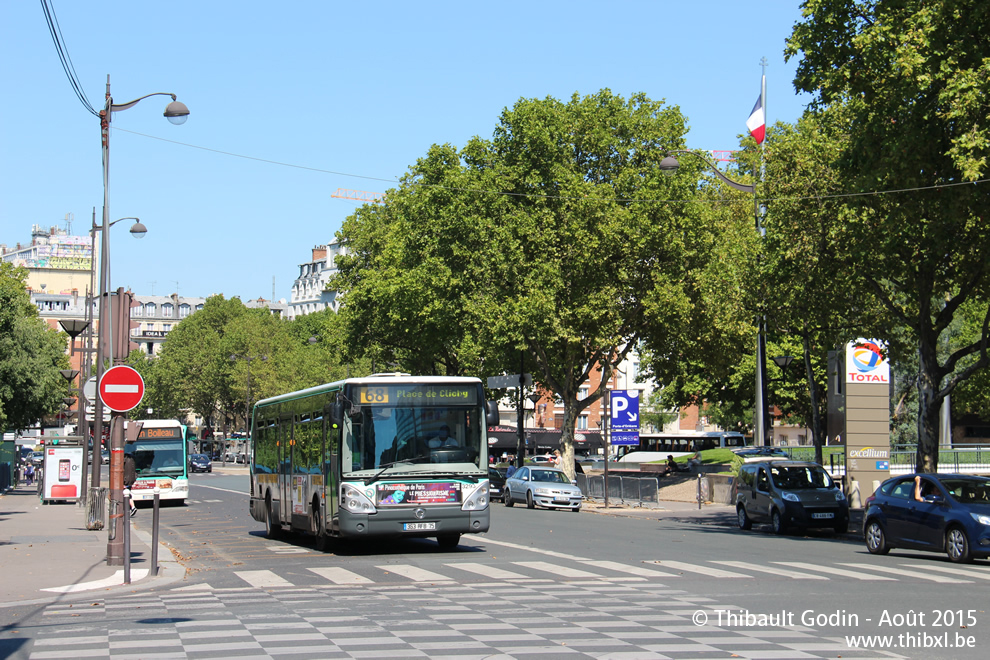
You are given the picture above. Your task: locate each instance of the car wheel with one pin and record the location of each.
(576, 509)
(876, 540)
(507, 498)
(777, 522)
(530, 504)
(742, 518)
(319, 529)
(957, 546)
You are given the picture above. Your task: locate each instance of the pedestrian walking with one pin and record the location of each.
(29, 474)
(130, 476)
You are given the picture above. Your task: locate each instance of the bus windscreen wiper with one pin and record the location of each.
(410, 461)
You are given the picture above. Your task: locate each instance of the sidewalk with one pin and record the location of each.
(47, 554)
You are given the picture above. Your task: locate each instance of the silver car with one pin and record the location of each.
(542, 486)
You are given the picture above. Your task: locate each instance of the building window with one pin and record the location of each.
(137, 311)
(168, 311)
(582, 394)
(582, 423)
(166, 327)
(184, 311)
(149, 309)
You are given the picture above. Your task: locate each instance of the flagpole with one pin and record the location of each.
(763, 433)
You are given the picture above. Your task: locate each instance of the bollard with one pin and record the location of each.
(127, 536)
(699, 490)
(154, 535)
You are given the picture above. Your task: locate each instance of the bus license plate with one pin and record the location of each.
(821, 516)
(418, 527)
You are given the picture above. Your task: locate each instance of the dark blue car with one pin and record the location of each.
(200, 463)
(941, 513)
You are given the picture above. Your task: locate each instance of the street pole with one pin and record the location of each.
(176, 113)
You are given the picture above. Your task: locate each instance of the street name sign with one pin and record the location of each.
(498, 382)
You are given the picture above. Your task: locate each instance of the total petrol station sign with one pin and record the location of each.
(121, 388)
(866, 363)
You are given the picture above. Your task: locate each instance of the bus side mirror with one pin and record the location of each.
(491, 413)
(337, 412)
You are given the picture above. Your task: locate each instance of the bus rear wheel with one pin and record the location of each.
(319, 529)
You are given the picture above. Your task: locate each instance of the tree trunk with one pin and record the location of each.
(929, 407)
(567, 438)
(815, 392)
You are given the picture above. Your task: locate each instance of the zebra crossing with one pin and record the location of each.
(665, 571)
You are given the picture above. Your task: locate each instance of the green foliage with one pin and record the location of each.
(31, 355)
(907, 80)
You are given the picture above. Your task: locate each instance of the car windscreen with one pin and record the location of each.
(793, 477)
(972, 490)
(550, 476)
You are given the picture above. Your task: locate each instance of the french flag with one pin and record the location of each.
(756, 123)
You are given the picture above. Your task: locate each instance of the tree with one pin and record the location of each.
(31, 355)
(910, 78)
(550, 243)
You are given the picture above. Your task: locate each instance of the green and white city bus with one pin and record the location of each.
(383, 456)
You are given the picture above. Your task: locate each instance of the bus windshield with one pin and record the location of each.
(417, 428)
(157, 458)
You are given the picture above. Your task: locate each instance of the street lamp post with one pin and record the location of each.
(669, 165)
(176, 113)
(74, 328)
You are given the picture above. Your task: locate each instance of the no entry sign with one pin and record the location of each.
(121, 388)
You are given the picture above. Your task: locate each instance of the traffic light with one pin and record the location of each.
(122, 324)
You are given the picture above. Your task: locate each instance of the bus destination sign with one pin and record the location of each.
(416, 395)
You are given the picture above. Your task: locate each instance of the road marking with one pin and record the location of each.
(226, 490)
(623, 568)
(698, 568)
(782, 572)
(971, 572)
(112, 581)
(339, 575)
(915, 574)
(486, 571)
(518, 546)
(832, 570)
(554, 569)
(413, 573)
(287, 550)
(262, 579)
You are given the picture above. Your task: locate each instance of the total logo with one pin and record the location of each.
(865, 362)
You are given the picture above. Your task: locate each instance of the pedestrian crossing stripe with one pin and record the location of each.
(833, 570)
(782, 572)
(612, 571)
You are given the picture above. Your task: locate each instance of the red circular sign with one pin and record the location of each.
(121, 388)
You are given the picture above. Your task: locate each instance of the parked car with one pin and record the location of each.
(789, 494)
(541, 459)
(542, 486)
(104, 457)
(953, 516)
(200, 463)
(37, 458)
(496, 483)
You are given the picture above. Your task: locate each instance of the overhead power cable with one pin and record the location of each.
(63, 56)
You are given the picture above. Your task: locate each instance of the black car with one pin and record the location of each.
(947, 513)
(200, 463)
(496, 483)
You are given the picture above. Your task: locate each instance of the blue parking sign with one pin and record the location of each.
(625, 409)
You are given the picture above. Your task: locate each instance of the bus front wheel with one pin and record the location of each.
(448, 541)
(272, 529)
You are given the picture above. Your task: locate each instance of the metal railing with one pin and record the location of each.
(637, 491)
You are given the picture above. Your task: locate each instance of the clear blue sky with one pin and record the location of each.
(347, 94)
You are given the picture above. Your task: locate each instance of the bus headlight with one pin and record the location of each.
(477, 499)
(354, 501)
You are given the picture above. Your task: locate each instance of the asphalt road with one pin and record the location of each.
(540, 582)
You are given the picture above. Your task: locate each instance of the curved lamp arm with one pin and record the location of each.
(670, 164)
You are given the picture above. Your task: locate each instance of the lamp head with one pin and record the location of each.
(783, 361)
(669, 165)
(177, 112)
(138, 230)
